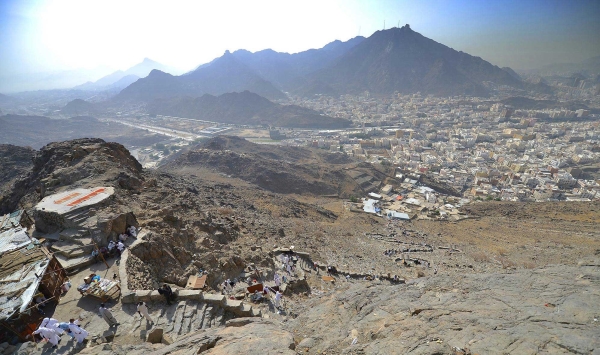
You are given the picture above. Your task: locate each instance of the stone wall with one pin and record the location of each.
(48, 222)
(239, 308)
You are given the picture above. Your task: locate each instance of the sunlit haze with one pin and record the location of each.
(38, 36)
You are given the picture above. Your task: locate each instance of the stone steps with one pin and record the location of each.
(188, 316)
(76, 217)
(72, 234)
(193, 311)
(77, 213)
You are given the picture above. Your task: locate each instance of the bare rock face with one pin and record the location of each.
(254, 337)
(16, 163)
(113, 224)
(550, 310)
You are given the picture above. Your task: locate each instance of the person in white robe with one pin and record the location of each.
(132, 231)
(51, 323)
(142, 309)
(120, 247)
(79, 333)
(278, 296)
(49, 334)
(277, 280)
(106, 314)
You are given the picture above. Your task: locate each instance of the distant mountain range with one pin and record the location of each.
(286, 70)
(121, 79)
(395, 60)
(589, 67)
(244, 108)
(266, 73)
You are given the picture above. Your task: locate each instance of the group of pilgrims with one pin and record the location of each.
(287, 264)
(116, 247)
(51, 330)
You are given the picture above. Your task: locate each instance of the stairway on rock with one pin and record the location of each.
(305, 265)
(186, 316)
(76, 217)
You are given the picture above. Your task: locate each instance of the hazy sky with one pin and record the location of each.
(42, 35)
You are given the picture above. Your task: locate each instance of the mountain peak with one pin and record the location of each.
(403, 60)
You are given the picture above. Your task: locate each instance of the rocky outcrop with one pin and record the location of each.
(16, 163)
(77, 163)
(255, 337)
(550, 310)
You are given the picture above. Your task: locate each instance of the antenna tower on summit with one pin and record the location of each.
(384, 24)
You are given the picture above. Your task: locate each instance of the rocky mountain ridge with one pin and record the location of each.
(244, 108)
(224, 75)
(123, 78)
(394, 60)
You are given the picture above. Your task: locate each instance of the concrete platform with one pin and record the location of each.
(70, 250)
(75, 263)
(67, 201)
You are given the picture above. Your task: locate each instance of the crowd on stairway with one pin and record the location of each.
(51, 330)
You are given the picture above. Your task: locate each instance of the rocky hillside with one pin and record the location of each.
(514, 278)
(278, 169)
(16, 163)
(244, 108)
